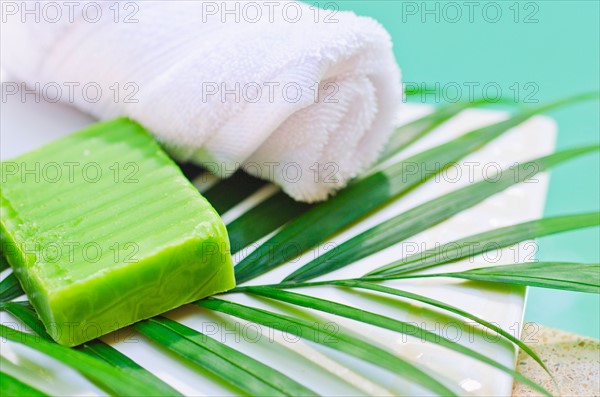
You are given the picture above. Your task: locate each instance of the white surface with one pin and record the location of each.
(25, 126)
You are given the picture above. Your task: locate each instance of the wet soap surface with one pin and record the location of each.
(102, 229)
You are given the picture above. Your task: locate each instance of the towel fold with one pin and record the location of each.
(299, 96)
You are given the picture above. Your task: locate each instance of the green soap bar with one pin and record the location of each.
(102, 230)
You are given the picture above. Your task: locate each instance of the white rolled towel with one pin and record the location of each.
(302, 97)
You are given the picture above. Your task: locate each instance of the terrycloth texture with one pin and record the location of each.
(227, 93)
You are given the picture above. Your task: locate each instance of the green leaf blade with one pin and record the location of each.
(578, 277)
(229, 192)
(426, 215)
(263, 219)
(387, 323)
(3, 262)
(10, 288)
(96, 348)
(238, 369)
(340, 341)
(348, 206)
(13, 387)
(111, 379)
(442, 305)
(407, 134)
(25, 312)
(487, 241)
(112, 356)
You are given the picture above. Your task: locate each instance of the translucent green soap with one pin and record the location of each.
(102, 230)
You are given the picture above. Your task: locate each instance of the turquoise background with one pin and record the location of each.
(558, 51)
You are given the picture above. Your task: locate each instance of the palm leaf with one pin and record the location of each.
(111, 379)
(411, 132)
(247, 374)
(579, 277)
(442, 305)
(328, 218)
(225, 194)
(10, 288)
(263, 219)
(25, 312)
(340, 341)
(362, 284)
(3, 262)
(99, 349)
(487, 241)
(384, 322)
(15, 388)
(96, 348)
(424, 216)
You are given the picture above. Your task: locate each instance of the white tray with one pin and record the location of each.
(25, 126)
